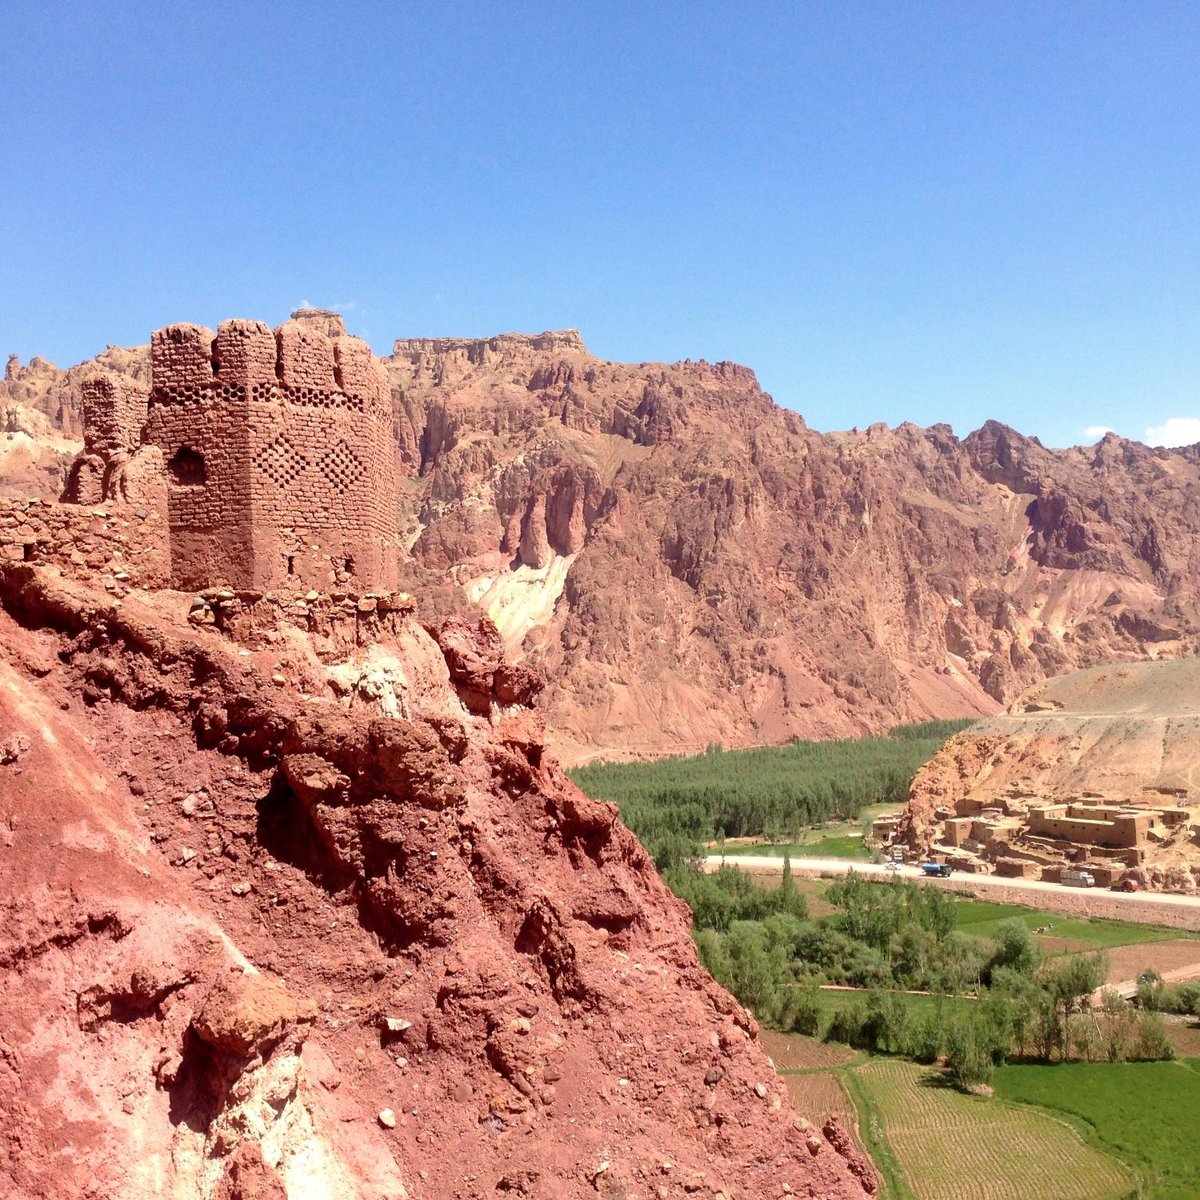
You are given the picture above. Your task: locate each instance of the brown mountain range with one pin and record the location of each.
(686, 562)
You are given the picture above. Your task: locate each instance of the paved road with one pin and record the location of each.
(1148, 907)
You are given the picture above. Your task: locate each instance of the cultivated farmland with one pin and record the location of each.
(954, 1147)
(1147, 1113)
(794, 1052)
(818, 1096)
(1176, 959)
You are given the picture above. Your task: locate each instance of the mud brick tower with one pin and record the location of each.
(114, 412)
(279, 456)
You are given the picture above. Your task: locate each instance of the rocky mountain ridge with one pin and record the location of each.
(686, 562)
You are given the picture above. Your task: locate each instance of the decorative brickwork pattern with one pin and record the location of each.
(280, 456)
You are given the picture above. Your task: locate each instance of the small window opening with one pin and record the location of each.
(187, 467)
(348, 564)
(29, 551)
(291, 564)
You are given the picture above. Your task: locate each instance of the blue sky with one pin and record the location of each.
(931, 212)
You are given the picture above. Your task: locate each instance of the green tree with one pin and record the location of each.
(1070, 981)
(801, 1011)
(968, 1054)
(1152, 1041)
(1015, 947)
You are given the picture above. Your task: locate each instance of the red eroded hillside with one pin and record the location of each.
(268, 937)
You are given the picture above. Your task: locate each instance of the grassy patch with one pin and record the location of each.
(816, 846)
(1146, 1114)
(949, 1146)
(980, 918)
(832, 999)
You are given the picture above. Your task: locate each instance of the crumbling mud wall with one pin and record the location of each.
(113, 465)
(279, 456)
(121, 547)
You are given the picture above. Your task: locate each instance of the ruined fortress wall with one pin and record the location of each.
(126, 546)
(114, 412)
(198, 415)
(280, 455)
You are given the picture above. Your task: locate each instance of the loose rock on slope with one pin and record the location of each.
(245, 921)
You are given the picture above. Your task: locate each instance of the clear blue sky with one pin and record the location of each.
(890, 210)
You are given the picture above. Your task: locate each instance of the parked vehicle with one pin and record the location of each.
(1127, 885)
(938, 870)
(1075, 877)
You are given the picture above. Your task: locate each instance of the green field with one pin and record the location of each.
(980, 918)
(950, 1146)
(835, 846)
(1146, 1114)
(831, 999)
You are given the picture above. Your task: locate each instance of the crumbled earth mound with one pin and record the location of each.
(1125, 734)
(687, 563)
(296, 905)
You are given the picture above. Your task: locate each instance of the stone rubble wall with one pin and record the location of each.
(125, 545)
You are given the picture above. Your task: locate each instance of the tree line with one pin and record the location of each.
(897, 937)
(674, 805)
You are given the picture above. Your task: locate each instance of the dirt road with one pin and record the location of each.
(1148, 908)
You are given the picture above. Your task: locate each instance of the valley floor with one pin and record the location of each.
(1071, 1131)
(1152, 908)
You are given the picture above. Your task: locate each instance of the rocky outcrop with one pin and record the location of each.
(274, 929)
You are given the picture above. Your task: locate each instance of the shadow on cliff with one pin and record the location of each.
(286, 830)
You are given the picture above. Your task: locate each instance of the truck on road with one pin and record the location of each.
(937, 870)
(1075, 877)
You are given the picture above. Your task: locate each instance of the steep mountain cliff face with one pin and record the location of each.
(685, 562)
(297, 906)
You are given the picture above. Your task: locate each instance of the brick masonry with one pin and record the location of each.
(279, 454)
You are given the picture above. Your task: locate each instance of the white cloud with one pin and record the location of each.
(1174, 431)
(346, 307)
(1094, 433)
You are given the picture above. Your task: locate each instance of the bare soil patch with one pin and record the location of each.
(794, 1052)
(1128, 962)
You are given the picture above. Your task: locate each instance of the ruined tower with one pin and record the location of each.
(279, 455)
(114, 412)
